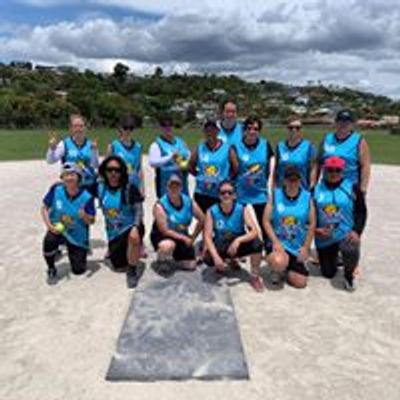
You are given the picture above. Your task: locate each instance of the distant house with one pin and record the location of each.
(368, 123)
(299, 110)
(390, 120)
(67, 69)
(22, 65)
(219, 92)
(60, 93)
(45, 68)
(302, 100)
(293, 92)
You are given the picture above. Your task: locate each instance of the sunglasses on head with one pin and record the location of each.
(117, 170)
(224, 192)
(334, 170)
(294, 127)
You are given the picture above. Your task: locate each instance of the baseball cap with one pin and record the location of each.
(334, 162)
(344, 115)
(70, 167)
(210, 122)
(174, 179)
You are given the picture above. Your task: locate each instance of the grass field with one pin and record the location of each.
(32, 144)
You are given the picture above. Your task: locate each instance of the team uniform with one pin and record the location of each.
(290, 219)
(132, 155)
(65, 209)
(212, 168)
(301, 156)
(347, 149)
(342, 208)
(164, 172)
(227, 227)
(233, 136)
(178, 220)
(122, 210)
(82, 157)
(252, 178)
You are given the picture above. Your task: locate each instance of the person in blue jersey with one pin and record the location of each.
(289, 221)
(170, 236)
(231, 129)
(296, 150)
(76, 148)
(341, 218)
(67, 211)
(121, 204)
(211, 164)
(230, 232)
(169, 155)
(345, 142)
(130, 151)
(252, 160)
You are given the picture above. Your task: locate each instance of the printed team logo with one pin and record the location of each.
(220, 224)
(285, 156)
(59, 205)
(332, 214)
(67, 220)
(211, 170)
(329, 148)
(281, 207)
(181, 227)
(290, 227)
(80, 164)
(112, 212)
(73, 153)
(211, 176)
(253, 174)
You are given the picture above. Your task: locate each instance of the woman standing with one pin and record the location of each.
(341, 218)
(169, 155)
(121, 204)
(78, 149)
(297, 151)
(289, 221)
(173, 215)
(67, 212)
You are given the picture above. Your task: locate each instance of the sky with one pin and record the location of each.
(354, 43)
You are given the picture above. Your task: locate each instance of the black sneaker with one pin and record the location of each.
(349, 284)
(132, 277)
(276, 280)
(51, 275)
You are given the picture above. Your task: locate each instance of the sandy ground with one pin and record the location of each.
(56, 342)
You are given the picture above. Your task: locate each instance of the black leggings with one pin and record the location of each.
(328, 258)
(77, 255)
(259, 211)
(204, 201)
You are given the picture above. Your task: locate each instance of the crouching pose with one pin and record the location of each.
(231, 232)
(173, 215)
(289, 221)
(121, 204)
(341, 218)
(67, 212)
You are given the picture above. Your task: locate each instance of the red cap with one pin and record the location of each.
(334, 162)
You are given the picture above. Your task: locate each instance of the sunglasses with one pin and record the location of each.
(228, 192)
(113, 169)
(294, 127)
(334, 170)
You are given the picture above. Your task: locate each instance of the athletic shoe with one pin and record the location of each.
(51, 276)
(257, 283)
(132, 277)
(349, 284)
(276, 279)
(143, 252)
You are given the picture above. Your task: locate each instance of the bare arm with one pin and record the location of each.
(312, 222)
(365, 164)
(268, 226)
(252, 231)
(200, 220)
(56, 153)
(109, 150)
(208, 238)
(233, 159)
(162, 224)
(193, 161)
(44, 212)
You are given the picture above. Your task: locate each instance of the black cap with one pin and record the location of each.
(292, 171)
(345, 116)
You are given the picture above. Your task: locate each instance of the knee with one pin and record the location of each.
(134, 237)
(166, 246)
(296, 280)
(278, 260)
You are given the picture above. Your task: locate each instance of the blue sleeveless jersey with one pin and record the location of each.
(301, 156)
(119, 216)
(82, 157)
(232, 138)
(226, 227)
(212, 168)
(66, 210)
(180, 219)
(290, 219)
(132, 157)
(251, 182)
(347, 149)
(334, 208)
(171, 168)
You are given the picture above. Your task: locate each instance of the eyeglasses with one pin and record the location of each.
(113, 169)
(334, 170)
(294, 127)
(226, 192)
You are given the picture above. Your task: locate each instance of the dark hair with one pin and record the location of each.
(124, 170)
(250, 120)
(165, 121)
(127, 122)
(227, 182)
(225, 102)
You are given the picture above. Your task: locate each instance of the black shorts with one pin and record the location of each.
(294, 264)
(118, 247)
(204, 201)
(245, 249)
(182, 252)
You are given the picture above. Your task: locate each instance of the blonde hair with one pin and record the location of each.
(73, 117)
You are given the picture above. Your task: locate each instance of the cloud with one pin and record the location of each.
(355, 42)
